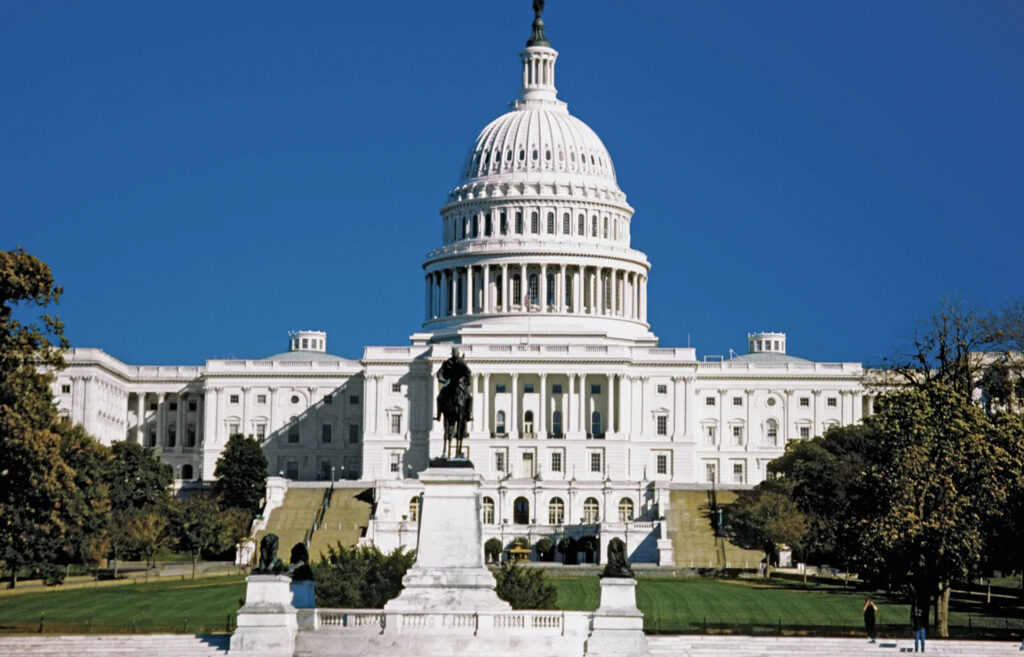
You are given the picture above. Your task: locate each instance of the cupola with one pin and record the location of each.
(766, 342)
(307, 341)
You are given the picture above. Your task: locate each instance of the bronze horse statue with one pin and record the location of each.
(454, 402)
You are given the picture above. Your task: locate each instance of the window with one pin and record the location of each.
(625, 509)
(604, 233)
(260, 399)
(172, 435)
(528, 423)
(551, 223)
(293, 432)
(414, 509)
(805, 401)
(499, 423)
(566, 224)
(737, 435)
(770, 401)
(595, 389)
(556, 389)
(396, 423)
(233, 399)
(488, 514)
(186, 472)
(830, 402)
(65, 388)
(325, 434)
(772, 432)
(527, 387)
(710, 473)
(475, 230)
(521, 511)
(152, 435)
(551, 290)
(499, 388)
(591, 511)
(517, 292)
(291, 470)
(581, 225)
(593, 226)
(191, 436)
(556, 423)
(556, 511)
(519, 221)
(192, 406)
(595, 462)
(595, 425)
(396, 387)
(805, 432)
(534, 223)
(556, 461)
(499, 461)
(353, 433)
(661, 464)
(328, 399)
(173, 406)
(233, 430)
(737, 401)
(711, 434)
(396, 462)
(353, 399)
(662, 422)
(737, 473)
(487, 224)
(709, 401)
(504, 223)
(533, 289)
(261, 431)
(295, 399)
(662, 389)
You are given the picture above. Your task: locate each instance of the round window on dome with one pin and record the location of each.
(295, 399)
(771, 401)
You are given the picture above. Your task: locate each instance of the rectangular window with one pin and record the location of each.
(192, 406)
(293, 433)
(504, 223)
(534, 223)
(710, 433)
(260, 399)
(710, 473)
(233, 399)
(709, 401)
(662, 422)
(556, 461)
(805, 401)
(805, 432)
(152, 406)
(396, 387)
(737, 473)
(328, 399)
(580, 229)
(737, 435)
(737, 401)
(191, 436)
(499, 388)
(232, 429)
(556, 389)
(661, 464)
(261, 432)
(353, 433)
(353, 400)
(662, 389)
(499, 462)
(65, 388)
(595, 389)
(396, 462)
(595, 461)
(174, 406)
(396, 424)
(291, 470)
(325, 433)
(831, 402)
(527, 387)
(519, 223)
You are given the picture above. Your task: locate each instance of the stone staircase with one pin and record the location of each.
(745, 646)
(293, 518)
(693, 538)
(344, 522)
(100, 645)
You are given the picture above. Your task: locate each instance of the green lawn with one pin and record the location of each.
(687, 605)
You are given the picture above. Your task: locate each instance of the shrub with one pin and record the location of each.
(362, 577)
(492, 549)
(524, 588)
(545, 549)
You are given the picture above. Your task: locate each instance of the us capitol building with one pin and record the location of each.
(581, 418)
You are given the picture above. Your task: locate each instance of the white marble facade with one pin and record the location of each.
(580, 417)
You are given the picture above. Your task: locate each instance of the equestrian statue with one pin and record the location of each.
(454, 402)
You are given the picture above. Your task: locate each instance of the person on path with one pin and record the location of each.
(869, 610)
(917, 622)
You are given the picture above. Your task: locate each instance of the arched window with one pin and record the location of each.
(499, 423)
(414, 509)
(519, 223)
(186, 472)
(487, 225)
(528, 422)
(772, 432)
(521, 511)
(488, 518)
(551, 290)
(517, 293)
(566, 224)
(476, 226)
(595, 423)
(581, 227)
(503, 220)
(465, 227)
(551, 223)
(593, 226)
(556, 511)
(500, 291)
(625, 509)
(556, 424)
(604, 233)
(534, 223)
(532, 289)
(591, 511)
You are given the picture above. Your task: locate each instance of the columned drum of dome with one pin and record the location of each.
(536, 236)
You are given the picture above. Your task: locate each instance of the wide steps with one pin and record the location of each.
(693, 538)
(293, 518)
(745, 646)
(136, 645)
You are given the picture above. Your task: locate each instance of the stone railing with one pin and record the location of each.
(530, 622)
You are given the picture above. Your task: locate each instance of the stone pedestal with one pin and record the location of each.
(266, 623)
(617, 627)
(449, 573)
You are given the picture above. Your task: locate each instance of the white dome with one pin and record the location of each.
(538, 139)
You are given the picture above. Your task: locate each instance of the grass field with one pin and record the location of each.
(669, 605)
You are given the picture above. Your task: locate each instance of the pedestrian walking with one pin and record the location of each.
(869, 610)
(917, 623)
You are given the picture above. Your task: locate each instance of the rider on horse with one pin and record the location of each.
(455, 400)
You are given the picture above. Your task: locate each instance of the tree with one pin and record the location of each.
(139, 481)
(762, 519)
(198, 527)
(147, 532)
(492, 549)
(545, 549)
(524, 587)
(87, 539)
(241, 474)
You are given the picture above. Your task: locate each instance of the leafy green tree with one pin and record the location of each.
(545, 549)
(148, 533)
(492, 549)
(241, 474)
(138, 480)
(360, 577)
(524, 587)
(198, 527)
(762, 519)
(87, 540)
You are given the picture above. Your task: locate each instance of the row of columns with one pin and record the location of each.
(163, 421)
(506, 288)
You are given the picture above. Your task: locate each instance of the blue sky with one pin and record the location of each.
(204, 177)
